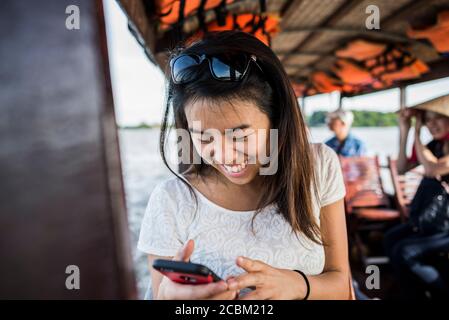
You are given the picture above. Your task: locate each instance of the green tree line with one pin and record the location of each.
(361, 119)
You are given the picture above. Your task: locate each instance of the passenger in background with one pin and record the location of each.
(344, 143)
(426, 233)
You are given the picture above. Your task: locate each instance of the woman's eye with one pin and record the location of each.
(239, 139)
(206, 140)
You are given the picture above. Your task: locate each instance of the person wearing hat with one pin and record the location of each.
(344, 143)
(434, 115)
(427, 230)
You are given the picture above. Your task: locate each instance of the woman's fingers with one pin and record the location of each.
(251, 265)
(205, 291)
(185, 252)
(226, 295)
(190, 245)
(252, 278)
(255, 295)
(408, 113)
(246, 280)
(177, 291)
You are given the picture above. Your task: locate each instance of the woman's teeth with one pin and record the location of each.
(236, 168)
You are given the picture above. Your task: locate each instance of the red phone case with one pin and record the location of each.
(183, 272)
(187, 278)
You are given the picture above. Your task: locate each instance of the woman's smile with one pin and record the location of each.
(235, 170)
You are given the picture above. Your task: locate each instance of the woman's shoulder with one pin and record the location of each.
(328, 172)
(323, 153)
(173, 188)
(326, 162)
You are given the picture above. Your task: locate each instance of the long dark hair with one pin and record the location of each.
(291, 188)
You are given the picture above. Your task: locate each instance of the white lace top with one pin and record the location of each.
(221, 235)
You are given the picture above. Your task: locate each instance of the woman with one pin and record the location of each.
(409, 243)
(253, 230)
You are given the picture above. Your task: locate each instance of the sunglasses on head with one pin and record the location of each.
(222, 67)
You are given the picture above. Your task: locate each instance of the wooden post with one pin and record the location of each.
(302, 104)
(339, 100)
(402, 97)
(61, 186)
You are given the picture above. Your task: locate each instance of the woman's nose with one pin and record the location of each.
(224, 153)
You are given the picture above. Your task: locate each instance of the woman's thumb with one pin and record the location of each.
(185, 252)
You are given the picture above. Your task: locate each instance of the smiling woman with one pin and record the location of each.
(252, 229)
(234, 153)
(427, 229)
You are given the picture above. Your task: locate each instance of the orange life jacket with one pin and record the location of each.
(172, 11)
(325, 83)
(438, 34)
(367, 64)
(361, 50)
(411, 71)
(396, 64)
(351, 73)
(262, 27)
(299, 88)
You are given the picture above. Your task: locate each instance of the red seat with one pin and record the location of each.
(368, 206)
(405, 186)
(363, 183)
(376, 214)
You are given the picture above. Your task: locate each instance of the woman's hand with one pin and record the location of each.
(405, 120)
(170, 290)
(418, 126)
(269, 283)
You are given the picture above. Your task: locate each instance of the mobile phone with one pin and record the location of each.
(185, 272)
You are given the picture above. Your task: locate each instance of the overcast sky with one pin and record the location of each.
(138, 85)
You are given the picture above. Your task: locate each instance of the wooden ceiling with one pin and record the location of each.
(311, 31)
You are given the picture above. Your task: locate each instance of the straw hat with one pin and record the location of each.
(439, 105)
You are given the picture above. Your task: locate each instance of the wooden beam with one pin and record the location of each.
(375, 33)
(404, 12)
(140, 26)
(288, 11)
(287, 5)
(338, 14)
(302, 53)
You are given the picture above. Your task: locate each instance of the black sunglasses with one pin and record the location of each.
(222, 67)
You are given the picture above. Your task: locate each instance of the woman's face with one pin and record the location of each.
(437, 124)
(229, 136)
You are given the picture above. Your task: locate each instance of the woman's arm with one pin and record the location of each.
(433, 167)
(333, 283)
(156, 276)
(403, 163)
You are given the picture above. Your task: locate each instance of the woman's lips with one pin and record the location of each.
(235, 170)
